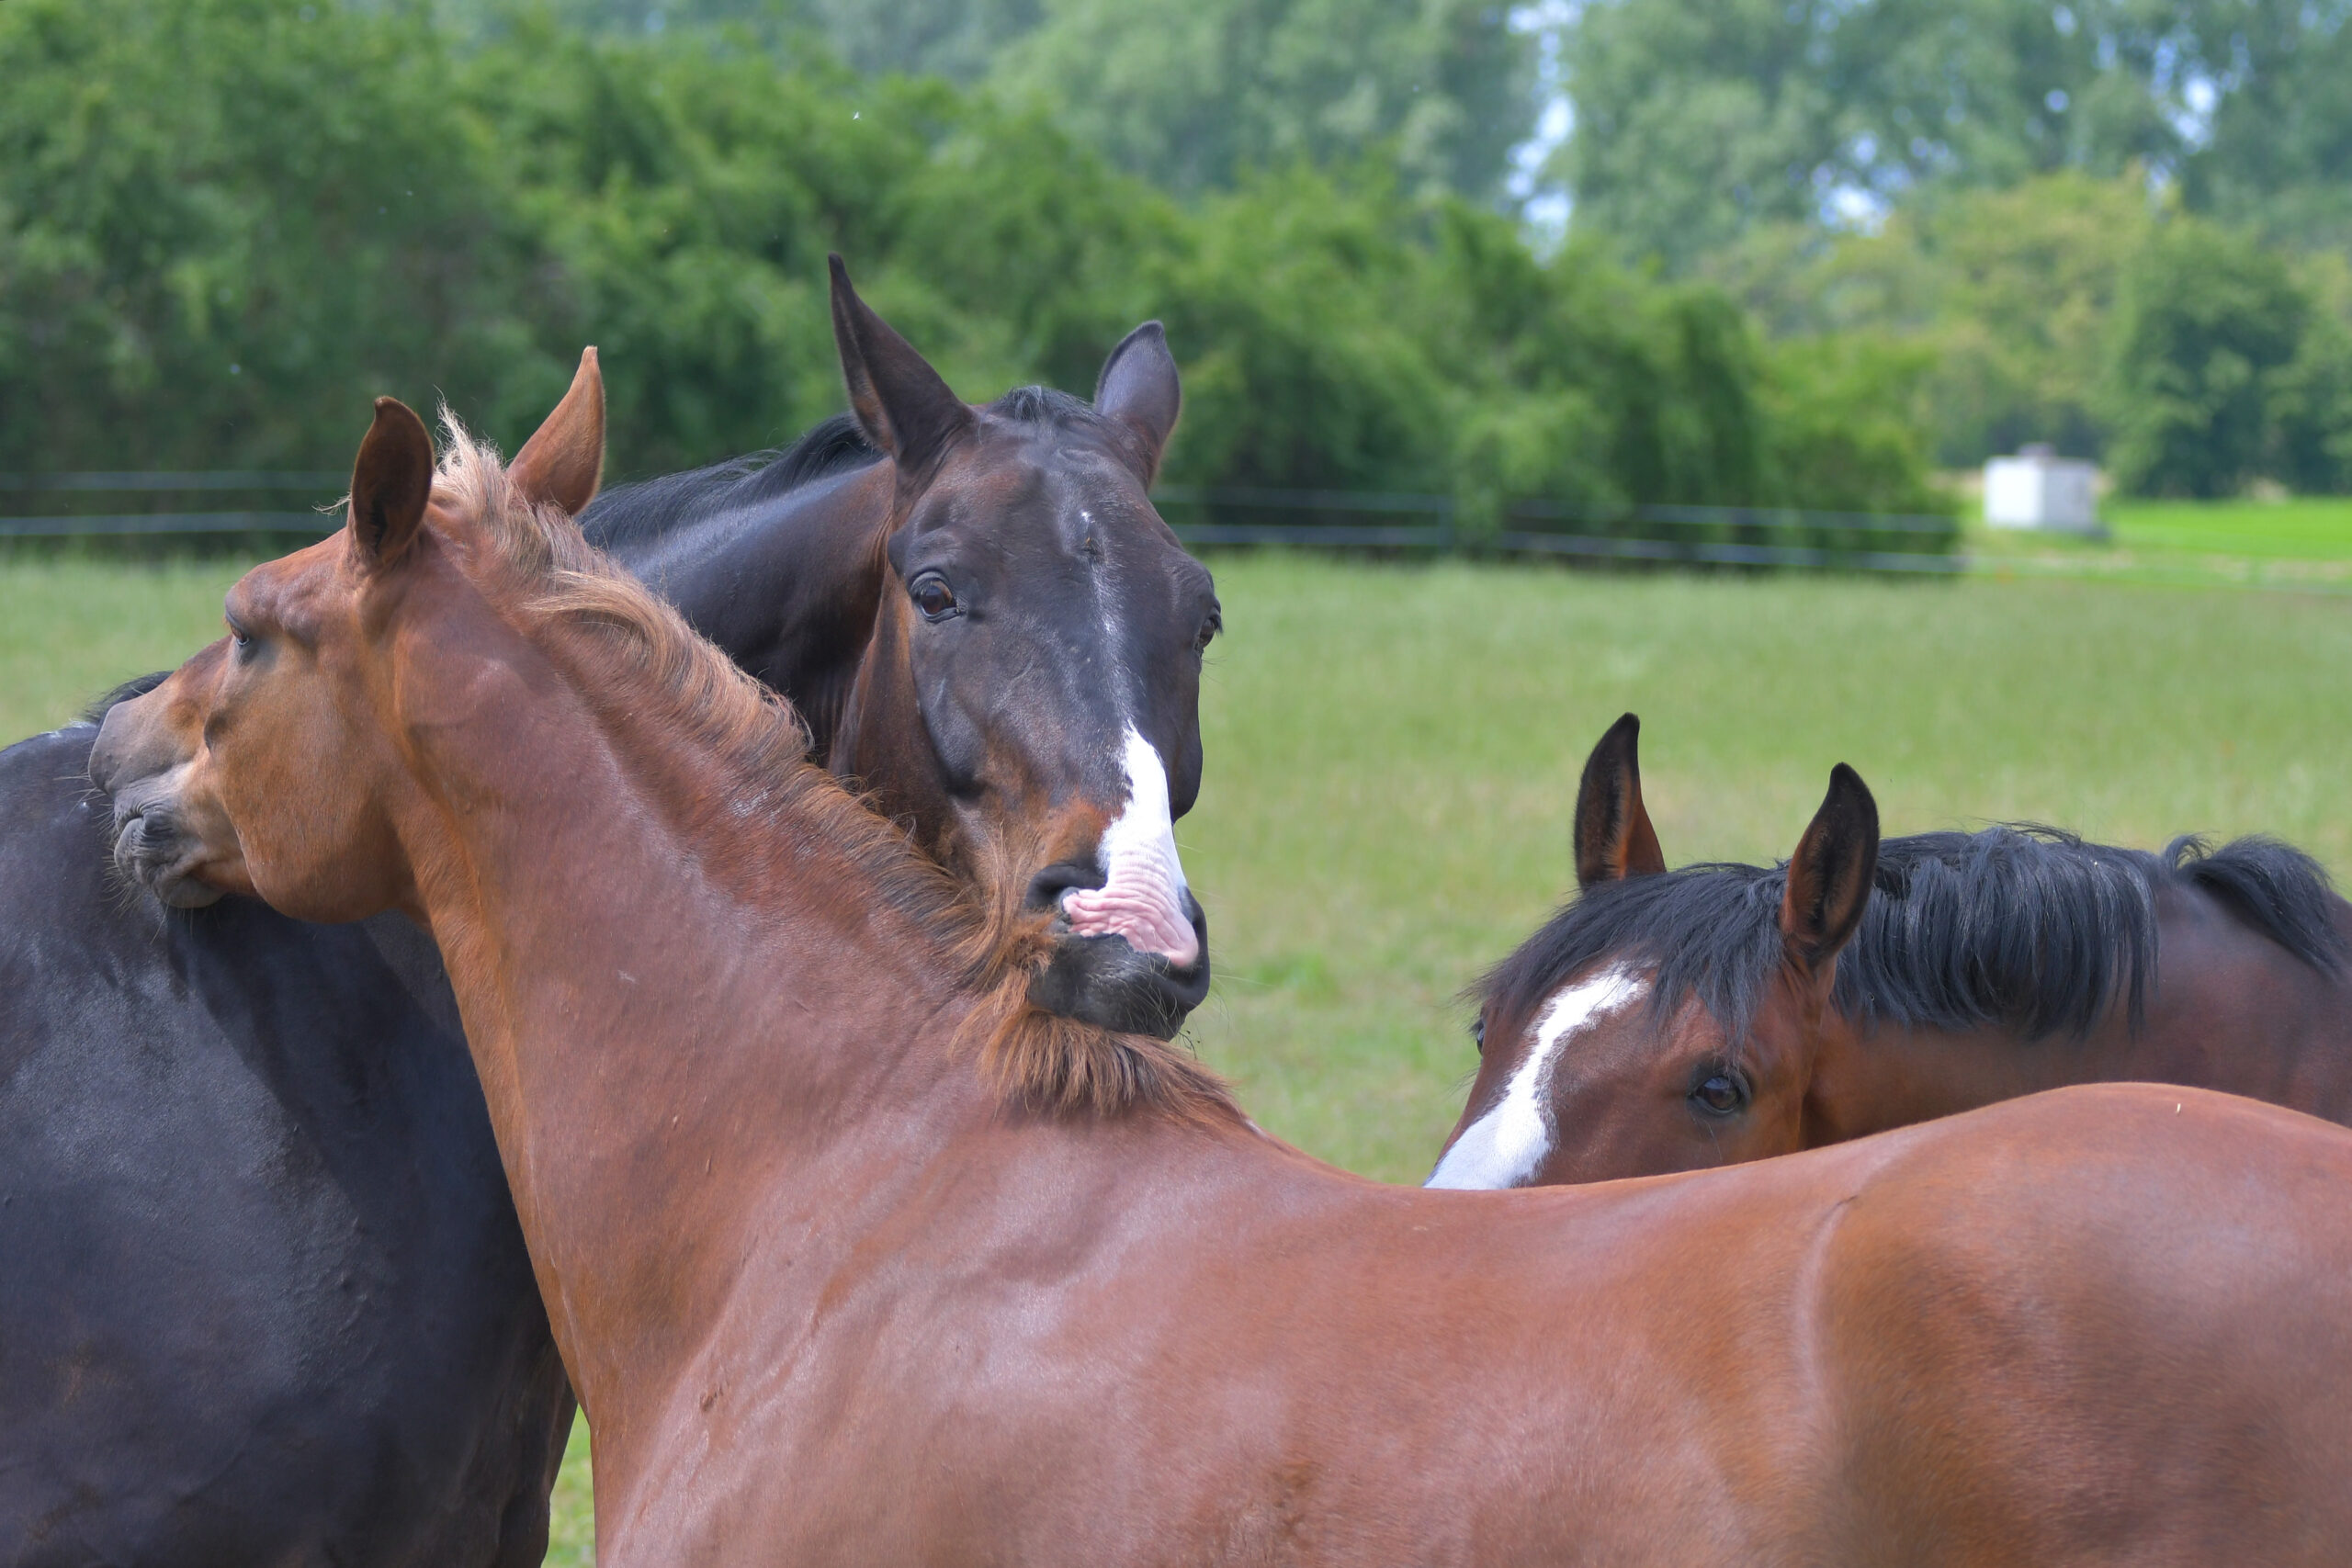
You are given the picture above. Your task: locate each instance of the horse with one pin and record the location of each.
(1983, 966)
(266, 1297)
(987, 627)
(994, 635)
(842, 1274)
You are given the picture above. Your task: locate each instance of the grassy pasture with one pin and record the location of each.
(1393, 754)
(2300, 544)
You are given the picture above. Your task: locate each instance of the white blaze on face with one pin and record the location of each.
(1504, 1147)
(1143, 898)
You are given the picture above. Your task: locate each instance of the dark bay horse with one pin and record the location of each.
(262, 1297)
(834, 1286)
(993, 634)
(1982, 966)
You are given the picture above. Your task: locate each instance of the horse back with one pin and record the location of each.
(2106, 1322)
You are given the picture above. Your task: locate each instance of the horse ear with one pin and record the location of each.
(563, 462)
(1138, 388)
(1614, 838)
(391, 481)
(1829, 876)
(900, 402)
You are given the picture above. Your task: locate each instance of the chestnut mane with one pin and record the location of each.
(633, 653)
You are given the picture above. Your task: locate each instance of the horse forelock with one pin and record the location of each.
(1710, 931)
(634, 653)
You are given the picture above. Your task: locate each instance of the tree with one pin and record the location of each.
(1190, 93)
(2280, 136)
(1194, 93)
(221, 217)
(2206, 321)
(1698, 122)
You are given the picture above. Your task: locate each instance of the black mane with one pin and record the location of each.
(651, 508)
(2018, 925)
(137, 686)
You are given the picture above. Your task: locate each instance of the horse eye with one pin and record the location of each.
(1207, 634)
(933, 596)
(1721, 1094)
(1478, 1033)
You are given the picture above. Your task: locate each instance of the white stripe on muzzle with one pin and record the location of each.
(1142, 898)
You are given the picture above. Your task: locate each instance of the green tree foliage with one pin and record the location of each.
(2280, 136)
(342, 201)
(1195, 93)
(2194, 357)
(2006, 294)
(217, 218)
(2206, 321)
(1190, 93)
(1699, 121)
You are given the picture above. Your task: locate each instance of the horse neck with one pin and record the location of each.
(677, 1029)
(1870, 1076)
(787, 587)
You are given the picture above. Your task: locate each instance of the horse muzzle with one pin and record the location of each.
(1105, 980)
(152, 850)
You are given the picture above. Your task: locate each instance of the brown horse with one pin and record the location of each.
(984, 623)
(1982, 966)
(840, 1278)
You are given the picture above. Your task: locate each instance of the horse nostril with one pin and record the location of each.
(1046, 889)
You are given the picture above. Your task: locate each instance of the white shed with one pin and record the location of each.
(2038, 488)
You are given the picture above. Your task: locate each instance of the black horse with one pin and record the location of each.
(262, 1297)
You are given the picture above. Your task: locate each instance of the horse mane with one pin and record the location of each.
(642, 656)
(137, 686)
(648, 509)
(2021, 926)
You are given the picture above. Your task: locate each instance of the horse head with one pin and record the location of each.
(1029, 704)
(1664, 1021)
(278, 690)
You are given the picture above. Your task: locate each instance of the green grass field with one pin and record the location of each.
(2300, 544)
(1393, 754)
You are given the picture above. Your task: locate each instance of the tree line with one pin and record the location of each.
(2116, 225)
(226, 224)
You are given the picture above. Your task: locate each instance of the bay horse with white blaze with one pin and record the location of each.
(1657, 1023)
(835, 1284)
(266, 1300)
(993, 633)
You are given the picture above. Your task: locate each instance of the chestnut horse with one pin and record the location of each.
(1982, 966)
(842, 1274)
(262, 1296)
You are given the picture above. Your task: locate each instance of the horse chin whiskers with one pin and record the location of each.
(1052, 1065)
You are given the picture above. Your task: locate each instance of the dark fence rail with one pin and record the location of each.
(1228, 515)
(1703, 535)
(57, 494)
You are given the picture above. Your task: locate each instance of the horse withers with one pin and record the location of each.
(1660, 1021)
(837, 1286)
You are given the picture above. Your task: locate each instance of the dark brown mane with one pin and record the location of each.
(542, 574)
